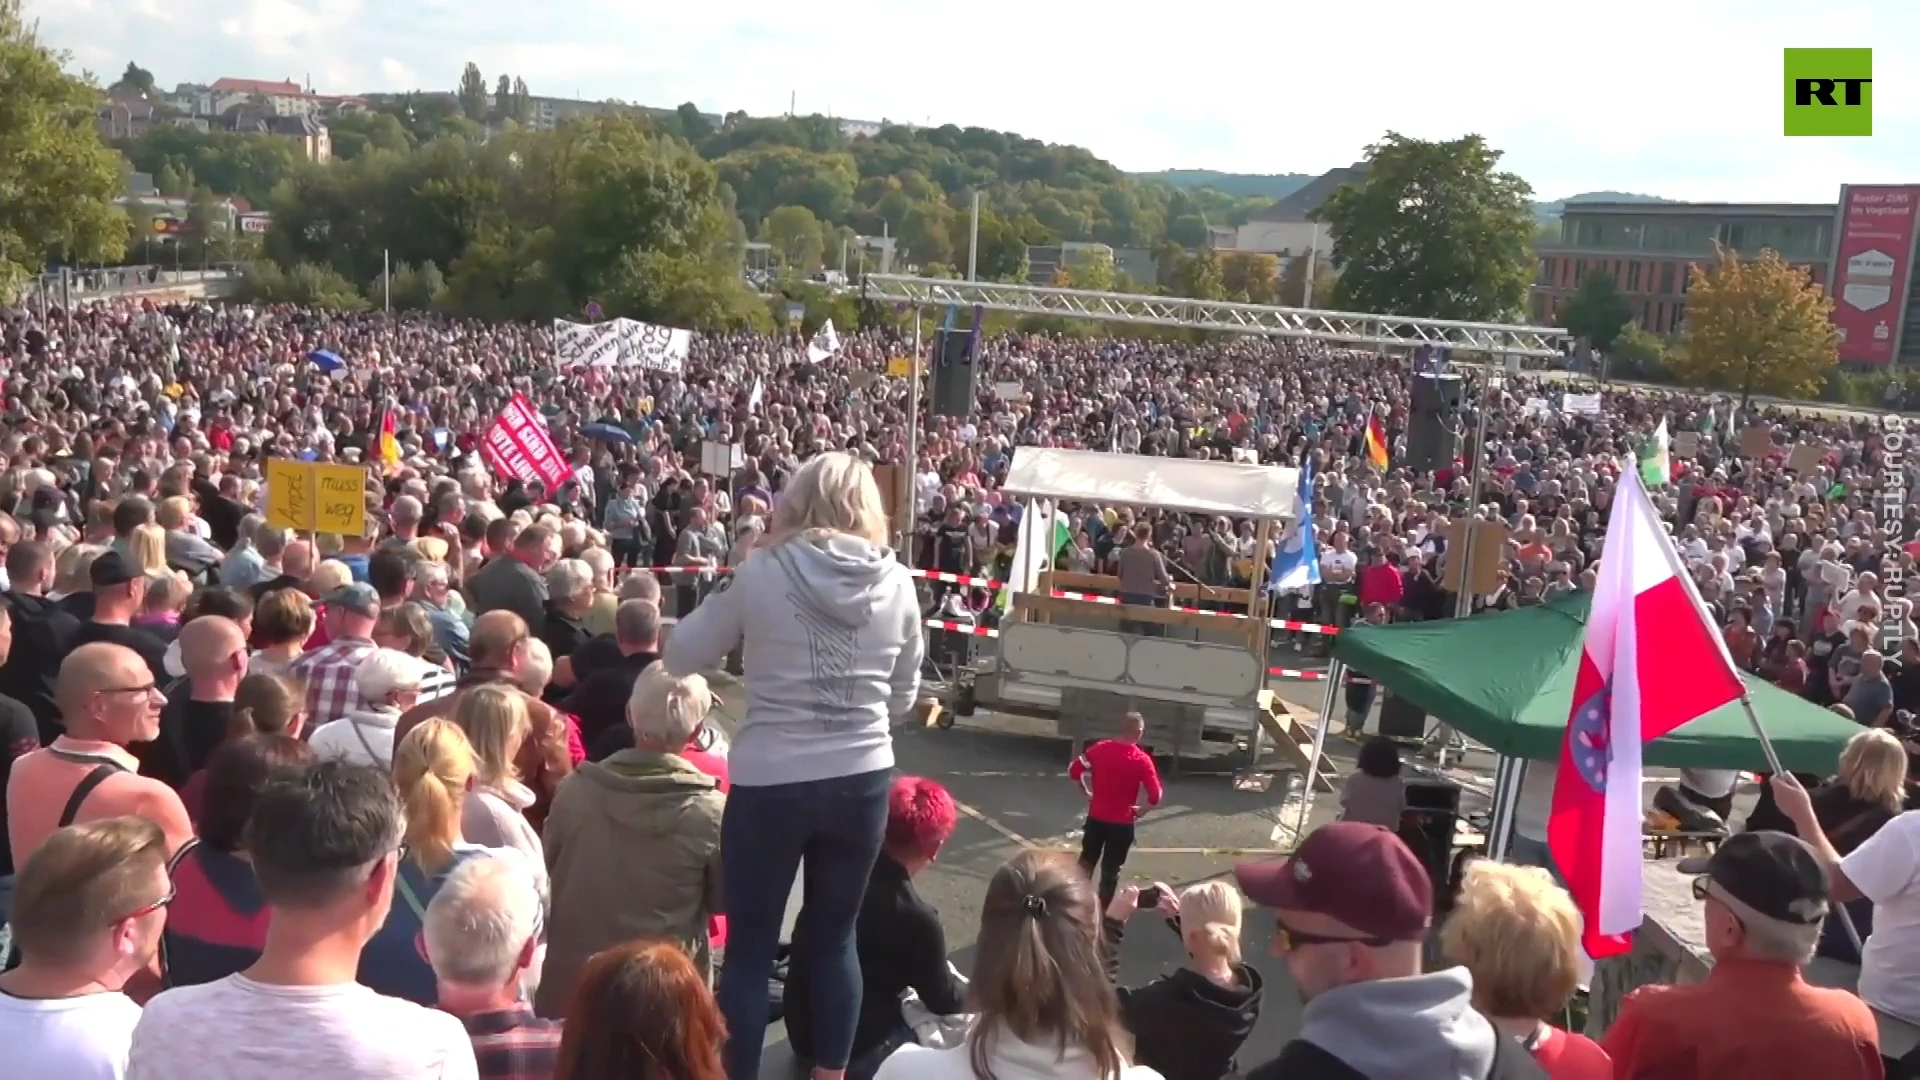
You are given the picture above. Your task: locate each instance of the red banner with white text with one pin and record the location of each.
(518, 446)
(1872, 269)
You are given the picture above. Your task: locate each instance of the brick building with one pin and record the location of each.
(1647, 247)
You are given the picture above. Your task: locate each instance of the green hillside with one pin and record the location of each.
(1239, 185)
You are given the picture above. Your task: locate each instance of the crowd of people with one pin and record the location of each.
(443, 799)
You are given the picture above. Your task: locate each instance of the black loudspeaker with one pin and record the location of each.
(1433, 425)
(1433, 793)
(952, 383)
(1438, 393)
(1427, 828)
(1402, 719)
(1433, 442)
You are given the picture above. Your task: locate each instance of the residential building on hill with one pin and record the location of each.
(315, 142)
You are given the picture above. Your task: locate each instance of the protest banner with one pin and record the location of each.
(519, 447)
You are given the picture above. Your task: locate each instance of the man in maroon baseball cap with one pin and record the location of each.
(1352, 908)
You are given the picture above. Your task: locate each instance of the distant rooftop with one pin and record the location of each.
(264, 87)
(1300, 205)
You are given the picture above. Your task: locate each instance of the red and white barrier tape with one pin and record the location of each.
(1296, 673)
(622, 571)
(963, 628)
(956, 579)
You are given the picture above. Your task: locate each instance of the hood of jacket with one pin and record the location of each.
(643, 790)
(1223, 1008)
(1013, 1058)
(1421, 1026)
(836, 577)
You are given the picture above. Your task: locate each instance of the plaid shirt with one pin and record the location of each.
(514, 1044)
(332, 689)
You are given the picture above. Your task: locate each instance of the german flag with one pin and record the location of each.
(1376, 442)
(389, 439)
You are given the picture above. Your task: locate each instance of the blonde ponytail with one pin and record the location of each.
(432, 767)
(1210, 915)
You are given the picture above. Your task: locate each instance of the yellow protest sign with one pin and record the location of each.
(290, 494)
(899, 367)
(341, 500)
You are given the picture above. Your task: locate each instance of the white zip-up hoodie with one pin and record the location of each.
(830, 629)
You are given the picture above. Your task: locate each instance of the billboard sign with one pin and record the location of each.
(1872, 270)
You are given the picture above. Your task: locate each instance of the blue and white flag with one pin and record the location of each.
(1296, 566)
(329, 363)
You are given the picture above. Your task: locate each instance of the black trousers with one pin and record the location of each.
(1105, 845)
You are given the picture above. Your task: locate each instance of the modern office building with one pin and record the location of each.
(1861, 249)
(1647, 248)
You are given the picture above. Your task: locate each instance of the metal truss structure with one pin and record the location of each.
(1378, 331)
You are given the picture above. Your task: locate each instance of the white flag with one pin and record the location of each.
(824, 344)
(759, 392)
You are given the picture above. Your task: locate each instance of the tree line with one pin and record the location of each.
(649, 213)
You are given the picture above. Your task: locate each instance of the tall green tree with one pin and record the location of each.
(205, 231)
(57, 178)
(1093, 272)
(1434, 230)
(694, 127)
(796, 236)
(472, 93)
(135, 79)
(1200, 276)
(1596, 311)
(502, 100)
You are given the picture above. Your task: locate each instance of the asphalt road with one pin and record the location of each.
(1009, 775)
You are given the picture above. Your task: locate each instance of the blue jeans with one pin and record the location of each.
(836, 826)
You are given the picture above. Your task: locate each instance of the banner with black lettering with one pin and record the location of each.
(620, 343)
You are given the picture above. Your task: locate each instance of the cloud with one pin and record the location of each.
(1674, 99)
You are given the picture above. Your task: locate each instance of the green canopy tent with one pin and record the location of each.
(1506, 680)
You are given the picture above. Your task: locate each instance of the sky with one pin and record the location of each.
(1675, 98)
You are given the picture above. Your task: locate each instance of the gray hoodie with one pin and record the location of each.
(1424, 1026)
(832, 649)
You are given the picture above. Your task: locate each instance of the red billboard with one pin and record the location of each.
(1872, 269)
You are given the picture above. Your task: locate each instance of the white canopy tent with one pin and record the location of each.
(1228, 488)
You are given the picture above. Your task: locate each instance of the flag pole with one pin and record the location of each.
(1766, 744)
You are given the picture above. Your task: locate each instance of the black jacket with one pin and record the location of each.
(901, 946)
(1300, 1060)
(599, 700)
(43, 635)
(1185, 1026)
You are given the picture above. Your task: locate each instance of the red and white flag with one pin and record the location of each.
(1650, 663)
(519, 446)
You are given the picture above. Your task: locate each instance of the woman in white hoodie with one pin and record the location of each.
(1043, 1008)
(829, 628)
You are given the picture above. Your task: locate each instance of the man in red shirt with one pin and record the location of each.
(1380, 582)
(1112, 772)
